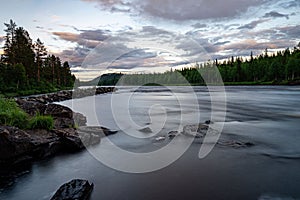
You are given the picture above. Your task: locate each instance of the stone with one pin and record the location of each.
(74, 190)
(208, 122)
(198, 130)
(97, 130)
(56, 110)
(173, 134)
(146, 130)
(18, 146)
(31, 107)
(235, 144)
(161, 138)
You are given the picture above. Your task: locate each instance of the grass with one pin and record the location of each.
(41, 122)
(12, 115)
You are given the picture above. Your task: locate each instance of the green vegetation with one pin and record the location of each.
(41, 122)
(280, 68)
(12, 115)
(25, 67)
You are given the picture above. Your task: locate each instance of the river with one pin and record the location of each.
(266, 116)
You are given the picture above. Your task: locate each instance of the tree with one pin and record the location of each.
(239, 70)
(9, 50)
(24, 53)
(19, 75)
(40, 53)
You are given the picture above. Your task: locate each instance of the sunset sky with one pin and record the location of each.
(100, 36)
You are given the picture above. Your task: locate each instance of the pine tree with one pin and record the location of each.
(40, 53)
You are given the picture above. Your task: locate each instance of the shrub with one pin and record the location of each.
(11, 114)
(41, 122)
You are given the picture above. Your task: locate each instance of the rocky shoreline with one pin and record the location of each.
(70, 133)
(68, 94)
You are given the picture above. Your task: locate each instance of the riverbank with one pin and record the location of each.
(65, 95)
(68, 133)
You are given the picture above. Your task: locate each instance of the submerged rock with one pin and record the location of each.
(235, 144)
(146, 130)
(198, 130)
(161, 138)
(74, 190)
(173, 134)
(97, 130)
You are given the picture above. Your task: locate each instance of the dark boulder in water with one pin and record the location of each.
(74, 190)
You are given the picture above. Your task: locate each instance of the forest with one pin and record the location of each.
(280, 68)
(26, 68)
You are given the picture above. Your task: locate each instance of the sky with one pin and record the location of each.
(140, 36)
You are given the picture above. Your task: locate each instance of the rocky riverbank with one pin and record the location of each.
(68, 94)
(69, 134)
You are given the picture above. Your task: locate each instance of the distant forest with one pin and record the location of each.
(26, 68)
(282, 67)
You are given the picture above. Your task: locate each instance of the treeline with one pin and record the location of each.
(26, 68)
(282, 67)
(279, 67)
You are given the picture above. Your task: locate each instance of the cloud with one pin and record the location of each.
(291, 32)
(74, 56)
(199, 25)
(253, 24)
(221, 43)
(274, 14)
(71, 37)
(87, 38)
(181, 10)
(290, 4)
(251, 44)
(197, 9)
(106, 2)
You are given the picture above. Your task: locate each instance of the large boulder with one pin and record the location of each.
(31, 107)
(74, 190)
(56, 110)
(18, 146)
(63, 116)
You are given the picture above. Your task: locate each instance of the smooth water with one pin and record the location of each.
(268, 116)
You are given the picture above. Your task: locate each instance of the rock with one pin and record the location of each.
(79, 119)
(67, 95)
(161, 138)
(97, 130)
(173, 134)
(198, 130)
(69, 139)
(208, 122)
(56, 110)
(235, 144)
(146, 130)
(18, 146)
(31, 107)
(74, 190)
